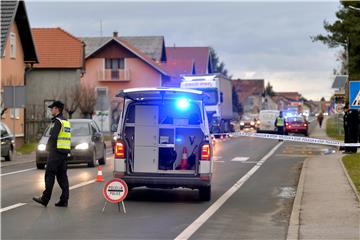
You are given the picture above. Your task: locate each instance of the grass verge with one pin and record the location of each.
(352, 165)
(27, 148)
(334, 129)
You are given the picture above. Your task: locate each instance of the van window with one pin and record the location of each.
(168, 113)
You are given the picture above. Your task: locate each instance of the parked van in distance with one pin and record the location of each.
(163, 140)
(267, 120)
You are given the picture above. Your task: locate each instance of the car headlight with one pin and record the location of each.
(258, 122)
(82, 146)
(242, 123)
(115, 138)
(41, 147)
(252, 123)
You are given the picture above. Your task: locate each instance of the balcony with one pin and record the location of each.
(109, 75)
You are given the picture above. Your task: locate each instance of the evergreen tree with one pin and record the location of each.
(345, 32)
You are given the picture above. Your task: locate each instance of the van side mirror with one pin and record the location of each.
(221, 97)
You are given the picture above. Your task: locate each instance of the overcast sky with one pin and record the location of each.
(269, 40)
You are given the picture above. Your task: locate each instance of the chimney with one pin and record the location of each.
(115, 34)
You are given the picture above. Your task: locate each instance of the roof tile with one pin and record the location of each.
(57, 48)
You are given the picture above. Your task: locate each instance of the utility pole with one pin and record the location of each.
(101, 31)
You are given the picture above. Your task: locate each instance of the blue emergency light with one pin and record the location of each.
(182, 104)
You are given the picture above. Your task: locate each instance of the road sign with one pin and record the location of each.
(14, 96)
(115, 190)
(339, 107)
(354, 94)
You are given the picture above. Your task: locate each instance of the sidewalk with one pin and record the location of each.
(326, 205)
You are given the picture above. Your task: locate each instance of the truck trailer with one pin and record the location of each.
(218, 100)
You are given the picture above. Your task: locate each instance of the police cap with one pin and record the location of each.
(57, 104)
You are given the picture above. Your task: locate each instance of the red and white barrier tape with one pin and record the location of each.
(293, 139)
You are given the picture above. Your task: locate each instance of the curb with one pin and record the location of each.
(349, 180)
(294, 224)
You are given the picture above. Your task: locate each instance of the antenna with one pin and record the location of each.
(101, 32)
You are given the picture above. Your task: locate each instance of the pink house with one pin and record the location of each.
(113, 63)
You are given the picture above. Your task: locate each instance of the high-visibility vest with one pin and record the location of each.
(280, 122)
(64, 137)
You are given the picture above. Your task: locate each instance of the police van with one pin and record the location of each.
(163, 140)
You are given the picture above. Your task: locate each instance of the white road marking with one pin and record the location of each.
(10, 173)
(82, 184)
(194, 226)
(12, 207)
(240, 159)
(215, 158)
(22, 204)
(219, 161)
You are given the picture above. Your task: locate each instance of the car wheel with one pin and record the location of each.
(40, 165)
(205, 193)
(102, 160)
(10, 155)
(93, 160)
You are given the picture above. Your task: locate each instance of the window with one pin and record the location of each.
(15, 112)
(101, 92)
(114, 63)
(12, 45)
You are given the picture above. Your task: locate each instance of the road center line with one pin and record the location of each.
(10, 173)
(22, 204)
(82, 184)
(12, 207)
(194, 226)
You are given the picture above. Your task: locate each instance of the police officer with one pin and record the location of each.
(280, 123)
(58, 147)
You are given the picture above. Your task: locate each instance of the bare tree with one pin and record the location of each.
(87, 100)
(71, 100)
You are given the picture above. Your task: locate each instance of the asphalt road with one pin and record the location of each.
(259, 209)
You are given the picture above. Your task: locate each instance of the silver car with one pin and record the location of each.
(87, 144)
(7, 142)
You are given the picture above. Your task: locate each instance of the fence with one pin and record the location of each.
(35, 122)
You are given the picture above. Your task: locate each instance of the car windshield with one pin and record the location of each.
(211, 96)
(295, 119)
(77, 129)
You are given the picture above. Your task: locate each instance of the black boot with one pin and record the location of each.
(61, 203)
(40, 200)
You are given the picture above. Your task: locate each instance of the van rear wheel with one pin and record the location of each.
(205, 193)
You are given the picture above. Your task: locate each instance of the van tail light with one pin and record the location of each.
(120, 149)
(205, 152)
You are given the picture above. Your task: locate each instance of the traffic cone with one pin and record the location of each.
(184, 161)
(99, 177)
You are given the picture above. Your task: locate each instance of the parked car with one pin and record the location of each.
(7, 142)
(87, 144)
(164, 140)
(296, 124)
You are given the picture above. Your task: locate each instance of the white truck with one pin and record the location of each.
(218, 101)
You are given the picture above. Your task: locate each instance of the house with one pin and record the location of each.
(250, 93)
(177, 68)
(55, 77)
(286, 100)
(115, 63)
(18, 54)
(200, 56)
(185, 61)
